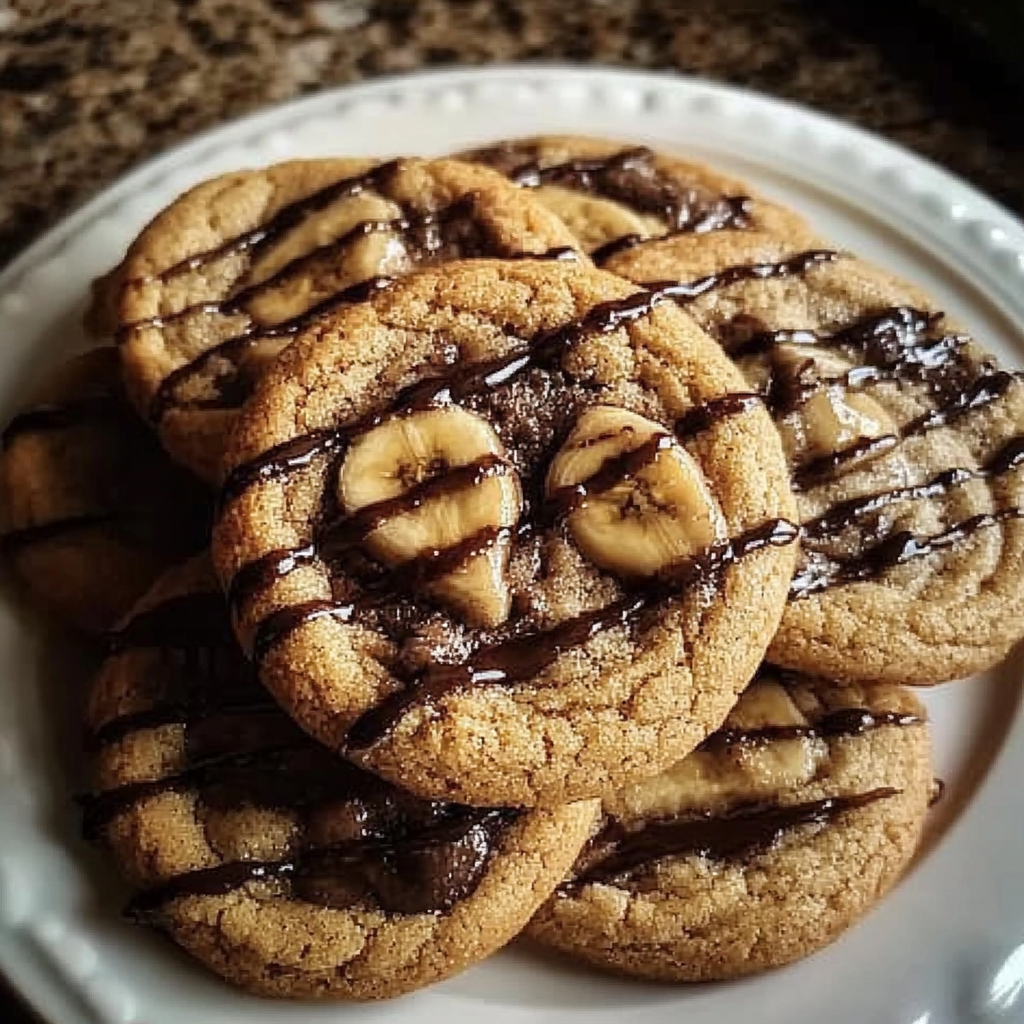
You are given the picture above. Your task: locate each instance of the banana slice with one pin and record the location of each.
(830, 420)
(637, 501)
(461, 499)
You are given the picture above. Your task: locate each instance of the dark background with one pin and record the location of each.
(88, 89)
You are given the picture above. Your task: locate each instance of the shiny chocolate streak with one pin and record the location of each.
(473, 838)
(231, 348)
(822, 571)
(827, 468)
(632, 178)
(745, 831)
(846, 513)
(287, 218)
(613, 471)
(17, 540)
(525, 657)
(844, 722)
(63, 416)
(99, 809)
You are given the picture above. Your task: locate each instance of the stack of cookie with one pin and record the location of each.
(563, 527)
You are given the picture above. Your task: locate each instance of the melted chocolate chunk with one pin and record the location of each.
(632, 178)
(426, 873)
(743, 832)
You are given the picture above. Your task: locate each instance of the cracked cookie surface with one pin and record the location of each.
(220, 281)
(281, 867)
(906, 442)
(765, 844)
(509, 655)
(93, 510)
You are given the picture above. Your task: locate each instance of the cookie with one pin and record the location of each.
(508, 533)
(281, 867)
(615, 196)
(93, 511)
(219, 282)
(761, 847)
(905, 441)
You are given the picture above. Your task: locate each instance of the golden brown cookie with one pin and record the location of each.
(508, 533)
(906, 442)
(283, 868)
(93, 510)
(219, 282)
(615, 196)
(761, 847)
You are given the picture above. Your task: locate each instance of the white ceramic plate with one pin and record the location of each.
(947, 946)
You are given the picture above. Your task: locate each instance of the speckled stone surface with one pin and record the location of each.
(87, 89)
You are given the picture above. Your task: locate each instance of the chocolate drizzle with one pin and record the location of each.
(18, 540)
(821, 571)
(630, 177)
(63, 416)
(844, 722)
(359, 841)
(425, 873)
(744, 831)
(525, 657)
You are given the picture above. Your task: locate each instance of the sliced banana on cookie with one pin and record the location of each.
(637, 501)
(447, 500)
(825, 419)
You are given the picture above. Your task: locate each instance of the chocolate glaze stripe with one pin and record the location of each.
(545, 349)
(844, 722)
(612, 472)
(745, 831)
(354, 528)
(525, 657)
(232, 347)
(729, 212)
(63, 416)
(276, 626)
(287, 218)
(704, 416)
(822, 571)
(17, 540)
(1010, 456)
(632, 178)
(475, 830)
(689, 291)
(101, 808)
(262, 571)
(827, 468)
(181, 712)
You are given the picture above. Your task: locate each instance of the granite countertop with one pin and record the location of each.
(87, 89)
